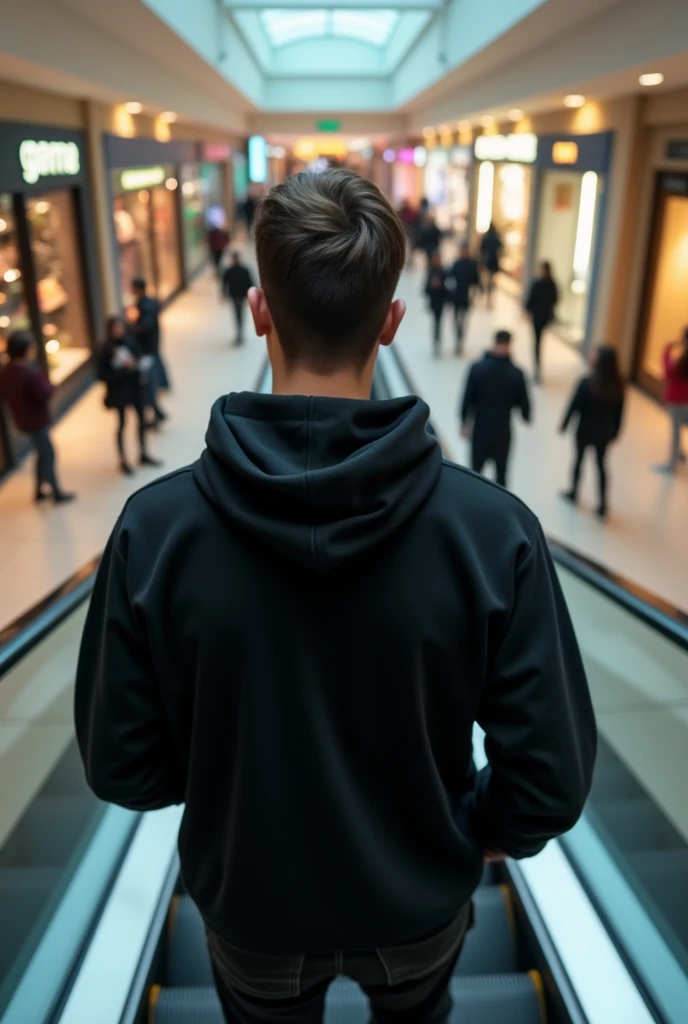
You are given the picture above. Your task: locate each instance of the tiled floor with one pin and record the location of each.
(644, 540)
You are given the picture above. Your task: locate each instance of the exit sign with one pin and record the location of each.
(328, 126)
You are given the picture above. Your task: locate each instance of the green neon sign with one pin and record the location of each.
(328, 126)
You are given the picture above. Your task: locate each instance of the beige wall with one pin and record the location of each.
(17, 103)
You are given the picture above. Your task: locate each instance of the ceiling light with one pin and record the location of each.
(4, 321)
(133, 107)
(652, 78)
(168, 116)
(464, 126)
(52, 346)
(574, 100)
(171, 184)
(3, 224)
(12, 275)
(487, 121)
(516, 114)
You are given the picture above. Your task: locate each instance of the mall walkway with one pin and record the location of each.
(644, 539)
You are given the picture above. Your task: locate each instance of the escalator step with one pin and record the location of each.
(491, 999)
(48, 832)
(636, 823)
(612, 781)
(490, 947)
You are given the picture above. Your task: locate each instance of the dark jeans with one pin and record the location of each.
(45, 460)
(239, 305)
(122, 413)
(437, 324)
(538, 328)
(405, 985)
(600, 448)
(481, 454)
(460, 314)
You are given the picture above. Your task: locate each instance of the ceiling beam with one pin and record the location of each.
(348, 5)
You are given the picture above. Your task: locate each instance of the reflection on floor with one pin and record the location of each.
(644, 539)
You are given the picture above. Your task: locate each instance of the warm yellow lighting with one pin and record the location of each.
(487, 121)
(651, 78)
(50, 328)
(143, 197)
(162, 130)
(516, 114)
(464, 126)
(565, 153)
(428, 133)
(483, 212)
(42, 206)
(168, 116)
(188, 188)
(12, 275)
(52, 346)
(586, 224)
(309, 149)
(4, 321)
(133, 107)
(574, 100)
(3, 224)
(171, 184)
(123, 123)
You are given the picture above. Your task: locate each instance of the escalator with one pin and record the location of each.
(592, 931)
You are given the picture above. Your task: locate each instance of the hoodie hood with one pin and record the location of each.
(322, 480)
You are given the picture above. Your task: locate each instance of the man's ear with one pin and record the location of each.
(395, 314)
(259, 311)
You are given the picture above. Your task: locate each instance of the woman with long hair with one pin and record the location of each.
(118, 368)
(676, 397)
(597, 404)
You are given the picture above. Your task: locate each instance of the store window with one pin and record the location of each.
(194, 202)
(166, 239)
(132, 228)
(57, 266)
(14, 313)
(147, 231)
(510, 215)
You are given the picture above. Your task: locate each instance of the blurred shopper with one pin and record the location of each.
(27, 391)
(118, 368)
(495, 387)
(465, 277)
(429, 236)
(676, 398)
(597, 406)
(237, 280)
(144, 323)
(542, 301)
(437, 293)
(491, 247)
(231, 659)
(218, 240)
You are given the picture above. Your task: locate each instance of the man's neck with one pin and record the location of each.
(335, 385)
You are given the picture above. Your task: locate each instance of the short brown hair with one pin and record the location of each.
(330, 251)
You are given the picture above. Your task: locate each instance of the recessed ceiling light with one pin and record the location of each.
(652, 78)
(133, 107)
(168, 116)
(487, 121)
(574, 100)
(464, 126)
(516, 114)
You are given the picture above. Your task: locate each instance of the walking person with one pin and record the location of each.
(676, 398)
(597, 406)
(27, 391)
(218, 240)
(491, 247)
(437, 293)
(144, 323)
(542, 300)
(429, 236)
(494, 388)
(332, 820)
(118, 368)
(237, 281)
(466, 278)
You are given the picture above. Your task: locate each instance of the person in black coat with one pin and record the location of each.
(542, 300)
(145, 325)
(495, 387)
(465, 276)
(236, 284)
(597, 404)
(437, 293)
(118, 368)
(491, 247)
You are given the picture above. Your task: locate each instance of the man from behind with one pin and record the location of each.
(236, 284)
(295, 635)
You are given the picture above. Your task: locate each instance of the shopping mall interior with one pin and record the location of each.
(137, 141)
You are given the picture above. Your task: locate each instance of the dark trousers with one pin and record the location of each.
(437, 324)
(239, 304)
(460, 314)
(405, 984)
(538, 328)
(499, 454)
(216, 256)
(45, 460)
(141, 427)
(600, 448)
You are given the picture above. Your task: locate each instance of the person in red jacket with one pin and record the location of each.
(27, 391)
(676, 397)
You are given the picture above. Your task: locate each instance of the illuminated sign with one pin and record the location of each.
(137, 178)
(257, 159)
(520, 149)
(308, 149)
(328, 126)
(565, 153)
(48, 159)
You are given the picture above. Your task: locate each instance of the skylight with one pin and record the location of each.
(288, 26)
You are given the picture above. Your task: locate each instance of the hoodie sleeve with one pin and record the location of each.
(538, 720)
(122, 731)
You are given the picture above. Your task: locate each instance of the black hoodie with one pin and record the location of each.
(295, 636)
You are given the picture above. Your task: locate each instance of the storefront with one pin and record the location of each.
(504, 184)
(46, 254)
(568, 214)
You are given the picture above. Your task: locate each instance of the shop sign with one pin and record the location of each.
(520, 149)
(565, 153)
(136, 178)
(217, 152)
(677, 149)
(328, 126)
(48, 160)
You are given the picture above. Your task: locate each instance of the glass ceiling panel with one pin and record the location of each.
(371, 26)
